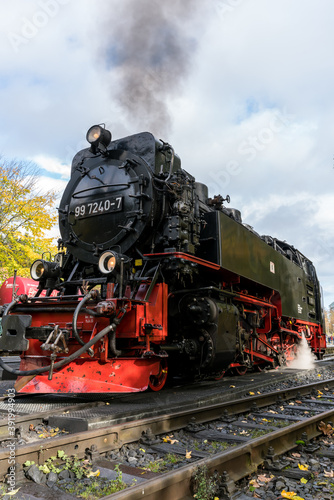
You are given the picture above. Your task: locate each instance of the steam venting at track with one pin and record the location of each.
(305, 359)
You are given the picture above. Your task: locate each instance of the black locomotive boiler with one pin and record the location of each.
(153, 276)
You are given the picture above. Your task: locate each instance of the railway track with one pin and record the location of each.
(228, 466)
(244, 452)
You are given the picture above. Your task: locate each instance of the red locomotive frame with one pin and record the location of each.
(145, 322)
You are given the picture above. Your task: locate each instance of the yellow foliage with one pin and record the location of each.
(25, 216)
(93, 474)
(12, 492)
(291, 494)
(168, 439)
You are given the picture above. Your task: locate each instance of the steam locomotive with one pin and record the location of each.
(153, 276)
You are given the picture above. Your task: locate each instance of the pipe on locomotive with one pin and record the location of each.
(10, 306)
(92, 294)
(75, 355)
(87, 297)
(64, 361)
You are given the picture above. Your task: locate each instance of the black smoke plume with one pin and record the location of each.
(149, 49)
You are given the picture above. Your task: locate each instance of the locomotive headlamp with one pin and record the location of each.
(108, 261)
(94, 134)
(37, 270)
(97, 136)
(42, 269)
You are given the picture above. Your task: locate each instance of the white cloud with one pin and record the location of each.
(47, 183)
(53, 165)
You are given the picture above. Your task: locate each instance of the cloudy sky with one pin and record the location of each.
(243, 90)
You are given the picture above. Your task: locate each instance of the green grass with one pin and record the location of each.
(162, 464)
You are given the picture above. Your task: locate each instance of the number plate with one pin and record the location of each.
(98, 207)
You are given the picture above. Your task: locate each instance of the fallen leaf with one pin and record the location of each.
(188, 454)
(287, 494)
(299, 402)
(291, 404)
(252, 393)
(272, 411)
(296, 455)
(290, 494)
(232, 386)
(326, 429)
(329, 473)
(13, 492)
(303, 467)
(303, 480)
(168, 439)
(93, 474)
(254, 483)
(264, 479)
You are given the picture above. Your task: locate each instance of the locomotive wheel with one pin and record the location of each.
(157, 382)
(240, 370)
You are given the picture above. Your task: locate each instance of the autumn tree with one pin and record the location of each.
(25, 216)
